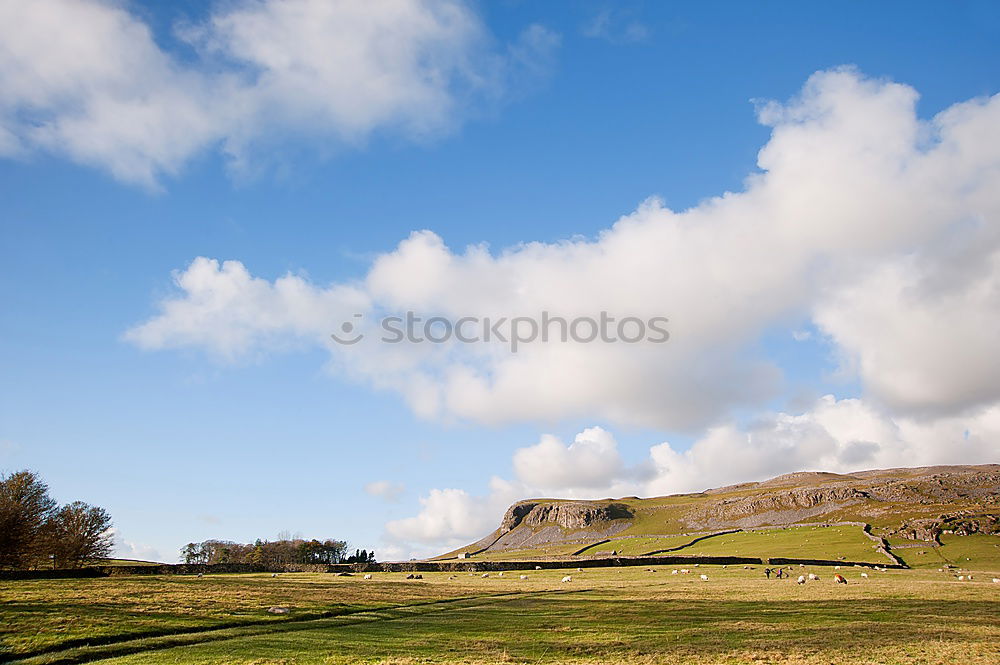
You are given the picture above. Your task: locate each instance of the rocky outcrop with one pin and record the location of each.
(566, 514)
(774, 508)
(961, 524)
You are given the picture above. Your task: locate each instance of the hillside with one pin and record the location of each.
(927, 516)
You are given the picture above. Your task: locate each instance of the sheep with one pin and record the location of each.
(864, 575)
(801, 580)
(684, 571)
(524, 577)
(961, 578)
(969, 576)
(274, 574)
(579, 570)
(996, 580)
(673, 572)
(538, 567)
(839, 579)
(568, 578)
(485, 575)
(368, 576)
(704, 578)
(500, 574)
(813, 577)
(836, 567)
(201, 574)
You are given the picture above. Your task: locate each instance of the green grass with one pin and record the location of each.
(604, 615)
(638, 545)
(969, 552)
(609, 616)
(803, 542)
(44, 614)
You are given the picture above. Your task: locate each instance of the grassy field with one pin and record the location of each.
(611, 615)
(639, 545)
(805, 542)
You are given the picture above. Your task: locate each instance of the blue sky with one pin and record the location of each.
(574, 114)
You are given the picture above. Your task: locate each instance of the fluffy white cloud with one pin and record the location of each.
(834, 435)
(125, 549)
(384, 489)
(88, 79)
(229, 312)
(590, 462)
(450, 518)
(880, 226)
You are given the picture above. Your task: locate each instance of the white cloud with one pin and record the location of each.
(878, 225)
(590, 462)
(616, 27)
(451, 517)
(834, 435)
(87, 78)
(124, 549)
(385, 489)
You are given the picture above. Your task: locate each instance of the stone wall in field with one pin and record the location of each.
(454, 566)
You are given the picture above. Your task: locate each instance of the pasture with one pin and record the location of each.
(609, 615)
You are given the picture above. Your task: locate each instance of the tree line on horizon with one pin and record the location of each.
(36, 532)
(269, 553)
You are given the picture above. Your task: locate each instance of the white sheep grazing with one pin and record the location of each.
(579, 570)
(673, 572)
(996, 580)
(704, 578)
(813, 577)
(201, 574)
(802, 579)
(538, 567)
(524, 577)
(696, 565)
(961, 578)
(568, 578)
(499, 574)
(485, 575)
(684, 571)
(864, 575)
(836, 567)
(969, 577)
(274, 574)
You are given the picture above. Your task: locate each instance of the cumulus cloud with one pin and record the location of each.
(833, 435)
(877, 225)
(384, 489)
(451, 517)
(125, 549)
(88, 79)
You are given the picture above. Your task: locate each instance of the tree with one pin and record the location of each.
(25, 509)
(80, 533)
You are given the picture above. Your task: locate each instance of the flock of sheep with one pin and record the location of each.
(802, 579)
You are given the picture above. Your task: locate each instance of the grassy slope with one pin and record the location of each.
(805, 542)
(627, 615)
(660, 516)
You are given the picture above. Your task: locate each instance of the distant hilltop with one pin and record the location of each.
(909, 507)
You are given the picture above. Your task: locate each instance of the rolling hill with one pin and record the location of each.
(927, 516)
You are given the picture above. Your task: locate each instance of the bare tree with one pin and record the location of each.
(79, 533)
(25, 509)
